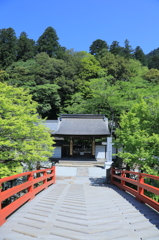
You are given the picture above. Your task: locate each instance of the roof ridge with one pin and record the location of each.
(85, 116)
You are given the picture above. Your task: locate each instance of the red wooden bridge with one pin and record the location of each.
(83, 208)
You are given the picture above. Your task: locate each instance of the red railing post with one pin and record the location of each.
(140, 189)
(2, 219)
(31, 188)
(54, 172)
(45, 180)
(122, 179)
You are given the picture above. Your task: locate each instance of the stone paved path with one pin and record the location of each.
(82, 208)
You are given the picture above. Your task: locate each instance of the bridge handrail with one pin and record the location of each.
(47, 178)
(139, 183)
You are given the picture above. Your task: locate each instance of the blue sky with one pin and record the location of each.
(80, 22)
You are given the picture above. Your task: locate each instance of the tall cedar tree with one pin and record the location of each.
(25, 47)
(48, 42)
(8, 42)
(139, 55)
(115, 48)
(127, 51)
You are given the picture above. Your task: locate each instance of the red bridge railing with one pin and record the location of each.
(35, 182)
(136, 186)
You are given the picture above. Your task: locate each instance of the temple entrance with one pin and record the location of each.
(66, 151)
(82, 149)
(79, 132)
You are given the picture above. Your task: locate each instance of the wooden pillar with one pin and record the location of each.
(93, 147)
(71, 147)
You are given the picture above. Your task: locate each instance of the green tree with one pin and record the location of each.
(100, 96)
(25, 47)
(48, 42)
(152, 53)
(116, 66)
(115, 48)
(138, 135)
(136, 69)
(3, 76)
(22, 74)
(76, 105)
(139, 55)
(153, 62)
(48, 99)
(127, 50)
(97, 46)
(23, 136)
(8, 43)
(41, 76)
(152, 76)
(90, 67)
(48, 69)
(60, 52)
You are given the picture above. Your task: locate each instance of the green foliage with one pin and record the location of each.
(48, 42)
(127, 50)
(117, 66)
(100, 96)
(47, 97)
(77, 104)
(10, 168)
(136, 69)
(22, 74)
(8, 42)
(152, 76)
(115, 48)
(25, 47)
(153, 62)
(40, 76)
(153, 59)
(90, 67)
(138, 135)
(23, 136)
(153, 53)
(3, 76)
(139, 55)
(121, 68)
(97, 46)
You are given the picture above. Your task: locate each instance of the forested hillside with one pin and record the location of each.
(118, 81)
(106, 80)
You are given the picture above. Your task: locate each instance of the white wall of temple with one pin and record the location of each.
(100, 152)
(57, 152)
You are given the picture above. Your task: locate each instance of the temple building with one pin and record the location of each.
(81, 136)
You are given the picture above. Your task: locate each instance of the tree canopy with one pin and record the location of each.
(23, 135)
(138, 136)
(48, 42)
(25, 47)
(97, 46)
(8, 41)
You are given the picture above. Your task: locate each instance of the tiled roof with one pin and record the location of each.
(82, 125)
(51, 124)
